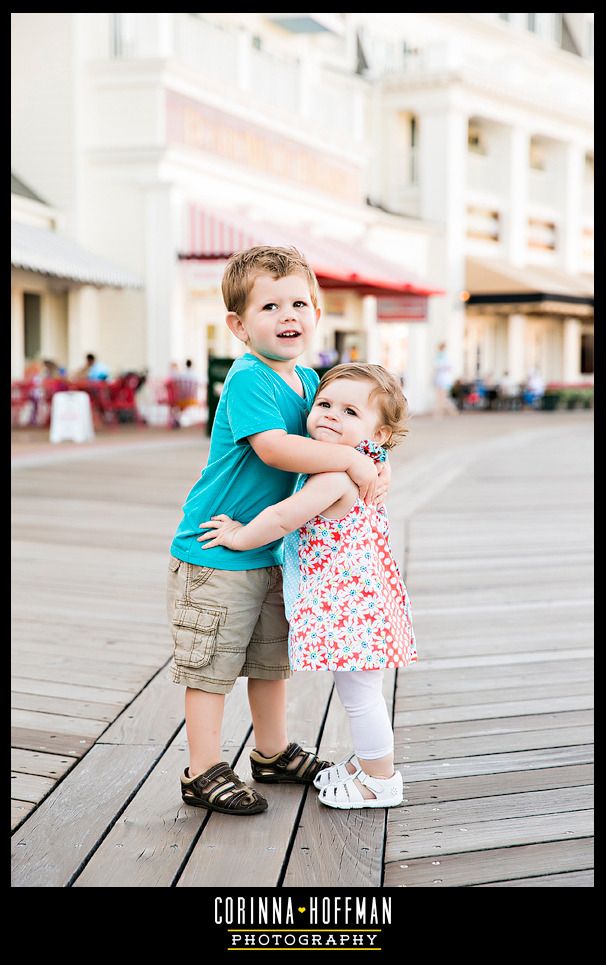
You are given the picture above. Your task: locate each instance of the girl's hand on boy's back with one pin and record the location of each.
(223, 532)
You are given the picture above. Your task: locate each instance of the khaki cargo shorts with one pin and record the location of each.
(226, 624)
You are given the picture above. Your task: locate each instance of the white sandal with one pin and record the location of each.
(336, 773)
(388, 792)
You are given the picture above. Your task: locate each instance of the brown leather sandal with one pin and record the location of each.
(292, 766)
(219, 789)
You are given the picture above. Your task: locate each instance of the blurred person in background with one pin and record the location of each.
(443, 381)
(534, 388)
(92, 370)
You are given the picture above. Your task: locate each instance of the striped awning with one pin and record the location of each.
(210, 234)
(51, 253)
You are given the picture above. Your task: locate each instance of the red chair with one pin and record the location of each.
(122, 400)
(24, 403)
(180, 395)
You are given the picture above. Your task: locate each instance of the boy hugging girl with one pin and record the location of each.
(289, 458)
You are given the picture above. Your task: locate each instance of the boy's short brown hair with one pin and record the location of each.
(388, 391)
(244, 266)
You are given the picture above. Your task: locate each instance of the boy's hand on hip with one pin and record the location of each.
(363, 472)
(223, 532)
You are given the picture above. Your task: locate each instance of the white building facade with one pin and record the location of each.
(167, 139)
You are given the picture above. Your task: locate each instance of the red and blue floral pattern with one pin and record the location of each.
(352, 610)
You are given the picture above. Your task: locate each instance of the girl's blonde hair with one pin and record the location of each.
(392, 401)
(244, 266)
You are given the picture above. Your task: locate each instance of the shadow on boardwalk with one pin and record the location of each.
(491, 519)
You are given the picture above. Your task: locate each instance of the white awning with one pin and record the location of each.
(496, 277)
(50, 253)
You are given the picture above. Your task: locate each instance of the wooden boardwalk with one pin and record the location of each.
(491, 516)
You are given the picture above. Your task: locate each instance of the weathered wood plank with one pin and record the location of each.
(75, 650)
(57, 723)
(60, 705)
(495, 725)
(156, 831)
(51, 844)
(54, 688)
(403, 820)
(492, 743)
(407, 700)
(151, 817)
(518, 708)
(35, 762)
(74, 745)
(272, 830)
(481, 867)
(19, 811)
(504, 659)
(154, 717)
(477, 836)
(333, 846)
(490, 784)
(575, 879)
(67, 674)
(497, 763)
(30, 787)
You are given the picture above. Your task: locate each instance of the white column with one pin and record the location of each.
(82, 326)
(516, 327)
(371, 329)
(17, 334)
(571, 350)
(243, 64)
(417, 388)
(165, 322)
(516, 227)
(442, 173)
(570, 243)
(165, 34)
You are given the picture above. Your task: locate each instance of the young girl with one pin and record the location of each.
(344, 597)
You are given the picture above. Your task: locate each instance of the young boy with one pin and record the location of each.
(226, 608)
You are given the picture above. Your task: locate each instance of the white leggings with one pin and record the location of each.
(361, 693)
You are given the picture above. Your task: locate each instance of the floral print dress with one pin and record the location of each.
(345, 599)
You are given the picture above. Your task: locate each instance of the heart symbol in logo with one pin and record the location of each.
(301, 910)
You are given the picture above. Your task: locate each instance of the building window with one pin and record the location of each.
(483, 224)
(475, 138)
(537, 155)
(587, 353)
(542, 235)
(413, 150)
(31, 321)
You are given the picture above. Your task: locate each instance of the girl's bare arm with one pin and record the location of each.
(319, 492)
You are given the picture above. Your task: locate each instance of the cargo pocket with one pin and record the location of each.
(194, 636)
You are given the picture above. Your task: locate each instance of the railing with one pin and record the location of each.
(308, 94)
(210, 49)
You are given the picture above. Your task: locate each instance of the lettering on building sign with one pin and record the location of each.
(207, 129)
(402, 308)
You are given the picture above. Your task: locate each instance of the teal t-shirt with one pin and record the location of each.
(235, 481)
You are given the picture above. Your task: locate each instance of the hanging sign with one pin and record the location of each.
(402, 308)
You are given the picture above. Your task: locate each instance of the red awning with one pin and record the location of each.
(210, 234)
